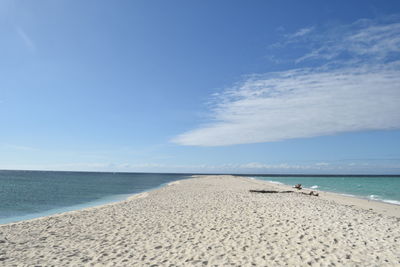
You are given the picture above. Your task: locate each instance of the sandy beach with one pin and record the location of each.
(212, 221)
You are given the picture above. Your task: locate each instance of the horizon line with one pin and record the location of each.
(211, 173)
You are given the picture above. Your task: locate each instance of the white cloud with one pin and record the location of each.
(301, 32)
(355, 95)
(19, 147)
(364, 40)
(26, 39)
(322, 164)
(303, 103)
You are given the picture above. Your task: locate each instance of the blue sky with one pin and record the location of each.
(200, 86)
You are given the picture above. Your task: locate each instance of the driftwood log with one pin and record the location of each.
(269, 191)
(311, 193)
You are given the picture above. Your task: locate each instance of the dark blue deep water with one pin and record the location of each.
(30, 194)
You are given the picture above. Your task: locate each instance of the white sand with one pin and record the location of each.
(212, 220)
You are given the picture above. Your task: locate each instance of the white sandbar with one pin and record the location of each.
(211, 220)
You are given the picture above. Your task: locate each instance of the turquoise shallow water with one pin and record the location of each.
(30, 194)
(379, 188)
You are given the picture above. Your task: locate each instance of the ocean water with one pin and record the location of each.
(31, 194)
(379, 188)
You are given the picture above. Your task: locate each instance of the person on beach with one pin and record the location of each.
(298, 186)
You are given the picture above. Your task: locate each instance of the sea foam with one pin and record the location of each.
(274, 182)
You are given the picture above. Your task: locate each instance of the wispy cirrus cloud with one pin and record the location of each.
(364, 40)
(360, 91)
(300, 33)
(26, 39)
(19, 147)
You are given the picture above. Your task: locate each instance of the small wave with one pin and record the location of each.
(373, 197)
(314, 187)
(390, 201)
(347, 195)
(274, 182)
(396, 202)
(140, 195)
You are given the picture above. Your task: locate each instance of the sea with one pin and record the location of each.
(383, 188)
(30, 194)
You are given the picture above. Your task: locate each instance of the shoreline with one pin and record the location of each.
(364, 203)
(88, 206)
(380, 206)
(206, 221)
(352, 195)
